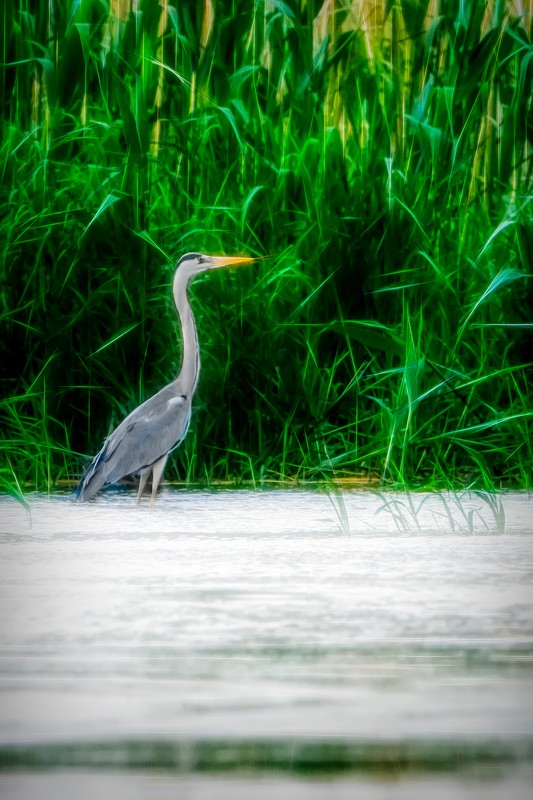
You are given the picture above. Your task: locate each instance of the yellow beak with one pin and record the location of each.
(231, 261)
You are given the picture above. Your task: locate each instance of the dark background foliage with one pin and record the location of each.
(378, 153)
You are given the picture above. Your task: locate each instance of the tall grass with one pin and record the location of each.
(379, 152)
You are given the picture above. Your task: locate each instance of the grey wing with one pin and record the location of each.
(147, 434)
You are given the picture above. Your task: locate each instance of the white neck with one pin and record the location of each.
(190, 362)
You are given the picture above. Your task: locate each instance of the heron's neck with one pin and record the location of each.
(190, 362)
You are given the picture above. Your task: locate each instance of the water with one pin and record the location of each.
(383, 642)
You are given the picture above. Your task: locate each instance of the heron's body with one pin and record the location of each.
(132, 448)
(140, 445)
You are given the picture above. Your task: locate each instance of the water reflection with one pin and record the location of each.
(480, 784)
(292, 513)
(367, 624)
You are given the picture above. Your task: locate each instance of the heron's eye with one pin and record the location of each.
(201, 260)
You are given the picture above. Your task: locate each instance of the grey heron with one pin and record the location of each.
(140, 445)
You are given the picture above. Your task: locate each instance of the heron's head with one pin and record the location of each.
(193, 263)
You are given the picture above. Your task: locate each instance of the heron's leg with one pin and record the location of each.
(143, 477)
(157, 472)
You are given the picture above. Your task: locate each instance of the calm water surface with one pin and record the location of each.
(356, 635)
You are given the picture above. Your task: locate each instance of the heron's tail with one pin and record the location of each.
(93, 479)
(89, 486)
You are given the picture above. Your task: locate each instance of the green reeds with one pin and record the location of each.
(378, 152)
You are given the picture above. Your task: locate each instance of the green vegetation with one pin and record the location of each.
(378, 152)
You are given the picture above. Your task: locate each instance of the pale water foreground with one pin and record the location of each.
(385, 641)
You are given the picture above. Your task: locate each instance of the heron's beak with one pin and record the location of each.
(230, 261)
